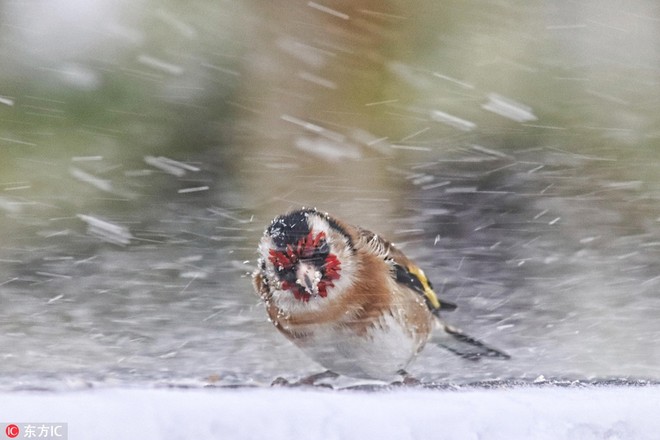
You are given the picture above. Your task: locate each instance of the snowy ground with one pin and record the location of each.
(503, 413)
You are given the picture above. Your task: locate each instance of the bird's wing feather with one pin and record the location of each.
(404, 271)
(468, 347)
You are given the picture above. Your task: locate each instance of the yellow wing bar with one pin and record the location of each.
(428, 292)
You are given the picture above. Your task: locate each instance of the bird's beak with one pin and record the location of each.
(308, 277)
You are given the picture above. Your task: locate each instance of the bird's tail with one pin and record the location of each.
(468, 347)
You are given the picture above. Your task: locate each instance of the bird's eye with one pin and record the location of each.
(323, 249)
(320, 253)
(286, 272)
(288, 275)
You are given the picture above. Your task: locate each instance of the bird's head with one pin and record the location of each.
(306, 255)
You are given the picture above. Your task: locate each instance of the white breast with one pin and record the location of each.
(386, 349)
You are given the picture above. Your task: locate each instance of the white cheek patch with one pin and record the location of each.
(318, 224)
(265, 245)
(346, 258)
(340, 248)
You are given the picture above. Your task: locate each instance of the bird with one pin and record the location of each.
(350, 299)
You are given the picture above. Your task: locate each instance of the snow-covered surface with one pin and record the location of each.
(505, 413)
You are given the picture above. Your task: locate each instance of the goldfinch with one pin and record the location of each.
(349, 299)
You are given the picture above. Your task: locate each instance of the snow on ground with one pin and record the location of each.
(272, 414)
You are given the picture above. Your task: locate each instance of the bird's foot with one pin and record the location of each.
(406, 380)
(306, 381)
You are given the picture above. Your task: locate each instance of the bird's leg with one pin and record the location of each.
(311, 380)
(305, 381)
(406, 380)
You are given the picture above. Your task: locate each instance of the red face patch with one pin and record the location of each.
(311, 247)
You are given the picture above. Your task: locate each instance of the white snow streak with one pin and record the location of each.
(509, 108)
(107, 231)
(453, 121)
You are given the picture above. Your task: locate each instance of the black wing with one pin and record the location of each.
(416, 280)
(468, 347)
(405, 272)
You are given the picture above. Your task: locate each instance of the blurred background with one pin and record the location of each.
(512, 148)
